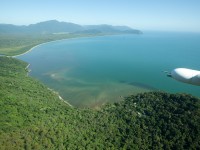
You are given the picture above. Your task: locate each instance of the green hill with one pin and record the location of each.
(33, 117)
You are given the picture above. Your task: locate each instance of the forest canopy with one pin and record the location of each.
(33, 117)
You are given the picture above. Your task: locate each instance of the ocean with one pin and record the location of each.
(88, 72)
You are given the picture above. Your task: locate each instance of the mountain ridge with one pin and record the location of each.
(54, 26)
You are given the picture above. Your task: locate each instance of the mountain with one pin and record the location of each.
(9, 28)
(54, 26)
(111, 29)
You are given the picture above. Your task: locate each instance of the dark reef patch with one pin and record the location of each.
(139, 84)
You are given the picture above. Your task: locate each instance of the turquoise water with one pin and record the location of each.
(91, 71)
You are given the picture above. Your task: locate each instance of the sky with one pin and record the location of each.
(166, 15)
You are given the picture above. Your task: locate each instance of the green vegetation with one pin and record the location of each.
(14, 44)
(16, 40)
(33, 117)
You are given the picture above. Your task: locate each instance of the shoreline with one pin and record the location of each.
(26, 51)
(27, 69)
(51, 42)
(56, 93)
(34, 48)
(57, 41)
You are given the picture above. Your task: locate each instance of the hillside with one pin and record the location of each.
(33, 117)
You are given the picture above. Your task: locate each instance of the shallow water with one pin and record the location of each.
(91, 71)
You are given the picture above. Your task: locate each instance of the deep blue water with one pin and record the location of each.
(91, 71)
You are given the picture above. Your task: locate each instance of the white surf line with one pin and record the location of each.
(52, 90)
(64, 100)
(28, 70)
(60, 97)
(45, 43)
(55, 41)
(31, 49)
(27, 66)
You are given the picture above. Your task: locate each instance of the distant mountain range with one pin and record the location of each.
(54, 26)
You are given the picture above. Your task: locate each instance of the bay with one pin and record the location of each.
(88, 72)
